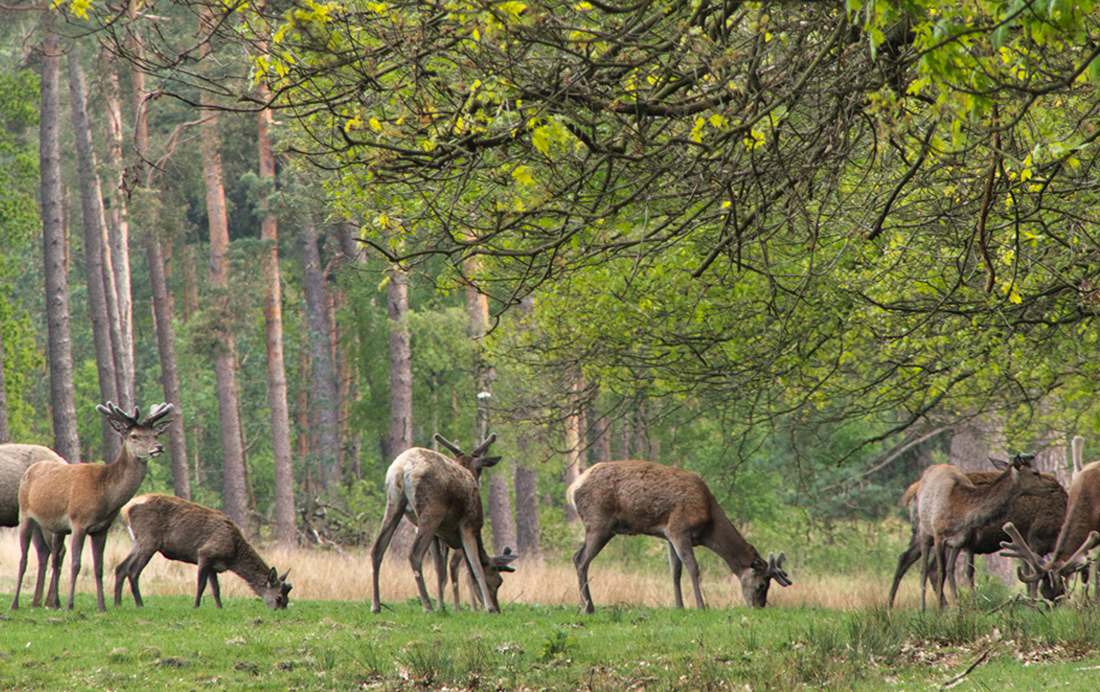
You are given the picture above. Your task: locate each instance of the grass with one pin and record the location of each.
(825, 632)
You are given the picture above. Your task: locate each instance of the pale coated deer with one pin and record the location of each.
(1079, 535)
(951, 508)
(15, 459)
(641, 497)
(186, 531)
(84, 499)
(441, 497)
(1038, 516)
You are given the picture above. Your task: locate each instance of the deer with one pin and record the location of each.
(84, 499)
(1080, 533)
(15, 459)
(951, 508)
(188, 532)
(645, 498)
(1038, 516)
(441, 497)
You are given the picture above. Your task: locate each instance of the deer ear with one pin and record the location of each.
(759, 565)
(488, 462)
(273, 576)
(999, 464)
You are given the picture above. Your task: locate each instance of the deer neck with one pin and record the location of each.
(248, 565)
(989, 502)
(123, 478)
(725, 540)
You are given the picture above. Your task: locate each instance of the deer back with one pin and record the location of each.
(641, 497)
(429, 480)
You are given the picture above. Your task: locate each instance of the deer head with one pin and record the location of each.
(1052, 582)
(493, 580)
(756, 580)
(275, 591)
(472, 461)
(139, 439)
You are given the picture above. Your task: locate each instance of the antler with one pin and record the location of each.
(484, 446)
(452, 447)
(115, 413)
(1031, 569)
(1080, 558)
(776, 571)
(159, 411)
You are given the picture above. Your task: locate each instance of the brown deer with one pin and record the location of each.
(15, 459)
(641, 497)
(1079, 535)
(186, 531)
(1038, 516)
(84, 499)
(951, 508)
(441, 497)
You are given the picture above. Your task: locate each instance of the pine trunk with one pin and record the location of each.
(66, 439)
(528, 531)
(91, 201)
(324, 371)
(234, 488)
(162, 304)
(397, 294)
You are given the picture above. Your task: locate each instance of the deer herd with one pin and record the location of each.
(1026, 513)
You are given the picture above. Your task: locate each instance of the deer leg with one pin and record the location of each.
(78, 552)
(421, 544)
(925, 555)
(473, 563)
(456, 572)
(594, 542)
(970, 568)
(26, 530)
(906, 560)
(43, 549)
(204, 576)
(99, 542)
(682, 544)
(53, 593)
(130, 569)
(676, 566)
(215, 588)
(439, 556)
(941, 571)
(395, 508)
(949, 571)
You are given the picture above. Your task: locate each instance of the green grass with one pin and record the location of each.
(341, 646)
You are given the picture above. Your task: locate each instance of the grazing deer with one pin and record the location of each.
(1038, 516)
(84, 499)
(15, 459)
(951, 508)
(186, 531)
(441, 497)
(1079, 535)
(641, 497)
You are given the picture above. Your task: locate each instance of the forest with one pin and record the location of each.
(805, 249)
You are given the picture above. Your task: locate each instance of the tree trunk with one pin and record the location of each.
(234, 489)
(574, 457)
(91, 201)
(285, 532)
(401, 423)
(66, 439)
(118, 228)
(324, 371)
(528, 531)
(5, 433)
(162, 310)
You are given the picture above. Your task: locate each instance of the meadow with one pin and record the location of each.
(827, 631)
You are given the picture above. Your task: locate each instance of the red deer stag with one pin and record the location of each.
(84, 499)
(15, 459)
(1078, 536)
(442, 498)
(641, 497)
(951, 508)
(1038, 516)
(186, 531)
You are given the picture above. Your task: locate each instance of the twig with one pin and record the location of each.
(958, 678)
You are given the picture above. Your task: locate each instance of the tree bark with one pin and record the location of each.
(528, 530)
(59, 336)
(285, 532)
(324, 370)
(234, 489)
(91, 201)
(118, 228)
(162, 304)
(401, 424)
(574, 459)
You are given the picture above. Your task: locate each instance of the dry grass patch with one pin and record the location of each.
(328, 575)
